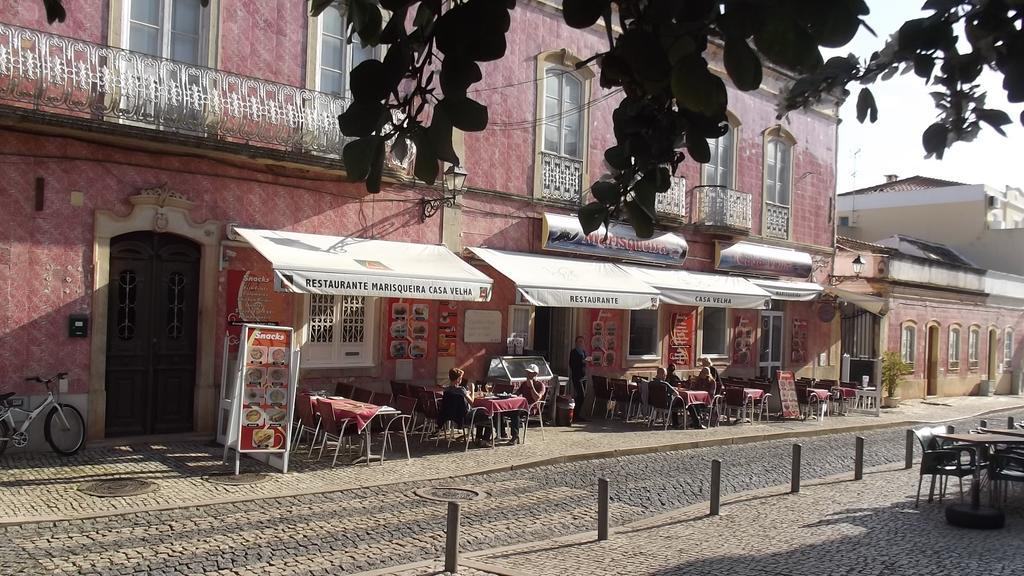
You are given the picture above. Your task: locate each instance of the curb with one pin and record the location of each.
(526, 465)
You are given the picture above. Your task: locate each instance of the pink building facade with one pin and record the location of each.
(134, 144)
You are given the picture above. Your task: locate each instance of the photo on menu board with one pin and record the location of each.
(266, 387)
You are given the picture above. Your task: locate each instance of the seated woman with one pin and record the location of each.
(706, 382)
(456, 400)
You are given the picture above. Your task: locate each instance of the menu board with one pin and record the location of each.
(742, 339)
(408, 329)
(251, 299)
(680, 343)
(787, 394)
(447, 329)
(266, 389)
(798, 342)
(604, 337)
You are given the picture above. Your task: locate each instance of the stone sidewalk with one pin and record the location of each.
(42, 486)
(833, 526)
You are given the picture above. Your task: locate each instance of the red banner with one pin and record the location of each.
(742, 339)
(266, 393)
(604, 338)
(447, 329)
(798, 343)
(251, 299)
(680, 343)
(787, 395)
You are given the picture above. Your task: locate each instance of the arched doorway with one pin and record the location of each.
(152, 322)
(932, 361)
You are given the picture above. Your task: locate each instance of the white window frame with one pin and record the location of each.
(338, 354)
(973, 347)
(779, 143)
(953, 352)
(657, 337)
(908, 345)
(711, 172)
(560, 114)
(166, 6)
(317, 42)
(704, 334)
(1008, 347)
(519, 308)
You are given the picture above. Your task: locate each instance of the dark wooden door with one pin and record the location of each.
(152, 318)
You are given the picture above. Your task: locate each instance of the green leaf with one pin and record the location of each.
(923, 65)
(362, 118)
(835, 23)
(866, 107)
(440, 133)
(357, 156)
(583, 13)
(366, 21)
(607, 192)
(465, 114)
(400, 148)
(994, 118)
(699, 149)
(425, 167)
(317, 7)
(395, 5)
(592, 216)
(458, 74)
(54, 11)
(642, 221)
(784, 41)
(934, 140)
(616, 158)
(696, 88)
(742, 64)
(369, 81)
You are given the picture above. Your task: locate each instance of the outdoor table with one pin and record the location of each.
(361, 414)
(495, 405)
(694, 396)
(974, 515)
(750, 396)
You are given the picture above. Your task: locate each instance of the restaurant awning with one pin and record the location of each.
(872, 304)
(570, 283)
(700, 289)
(789, 290)
(317, 264)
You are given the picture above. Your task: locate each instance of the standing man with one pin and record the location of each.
(577, 371)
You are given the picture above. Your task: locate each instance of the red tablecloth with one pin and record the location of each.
(359, 412)
(753, 393)
(694, 396)
(494, 405)
(822, 395)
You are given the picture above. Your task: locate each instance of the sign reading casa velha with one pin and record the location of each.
(563, 233)
(758, 258)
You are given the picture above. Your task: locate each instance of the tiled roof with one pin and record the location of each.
(925, 249)
(905, 185)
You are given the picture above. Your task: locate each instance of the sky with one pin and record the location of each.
(892, 145)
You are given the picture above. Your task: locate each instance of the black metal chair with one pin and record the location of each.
(1004, 468)
(942, 461)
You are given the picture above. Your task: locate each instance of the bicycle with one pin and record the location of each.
(64, 429)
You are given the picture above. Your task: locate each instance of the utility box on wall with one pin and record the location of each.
(78, 326)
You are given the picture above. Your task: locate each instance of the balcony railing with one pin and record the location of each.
(561, 178)
(61, 75)
(672, 202)
(776, 221)
(721, 207)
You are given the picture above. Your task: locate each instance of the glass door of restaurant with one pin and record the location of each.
(771, 342)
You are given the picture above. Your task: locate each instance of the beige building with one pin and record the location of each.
(983, 224)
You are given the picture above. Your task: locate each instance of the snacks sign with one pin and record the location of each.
(266, 391)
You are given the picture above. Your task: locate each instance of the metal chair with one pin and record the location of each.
(333, 430)
(660, 403)
(1004, 468)
(942, 461)
(621, 393)
(362, 395)
(601, 392)
(309, 421)
(407, 407)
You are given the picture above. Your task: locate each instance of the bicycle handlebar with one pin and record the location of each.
(40, 379)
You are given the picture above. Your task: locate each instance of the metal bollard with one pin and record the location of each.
(794, 481)
(451, 540)
(716, 486)
(1009, 422)
(602, 509)
(858, 459)
(908, 460)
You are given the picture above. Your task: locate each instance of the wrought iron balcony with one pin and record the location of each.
(722, 208)
(776, 221)
(561, 178)
(672, 202)
(59, 75)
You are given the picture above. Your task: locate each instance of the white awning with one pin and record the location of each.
(570, 283)
(872, 304)
(312, 263)
(700, 289)
(789, 290)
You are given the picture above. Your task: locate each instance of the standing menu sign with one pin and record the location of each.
(787, 394)
(264, 402)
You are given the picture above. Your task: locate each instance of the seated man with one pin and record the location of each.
(672, 378)
(662, 377)
(533, 391)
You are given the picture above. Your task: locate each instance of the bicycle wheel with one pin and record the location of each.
(65, 440)
(5, 433)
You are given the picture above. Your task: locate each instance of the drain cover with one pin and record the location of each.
(240, 479)
(447, 494)
(118, 487)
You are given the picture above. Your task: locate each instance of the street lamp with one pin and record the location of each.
(858, 265)
(453, 180)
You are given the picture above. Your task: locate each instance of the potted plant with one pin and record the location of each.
(893, 371)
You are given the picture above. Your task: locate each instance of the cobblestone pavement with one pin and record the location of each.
(372, 528)
(44, 486)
